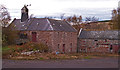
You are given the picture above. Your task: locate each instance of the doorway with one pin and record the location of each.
(63, 48)
(70, 47)
(34, 34)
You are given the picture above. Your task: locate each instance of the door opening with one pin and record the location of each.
(63, 48)
(34, 36)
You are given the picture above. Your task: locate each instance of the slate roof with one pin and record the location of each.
(42, 24)
(99, 34)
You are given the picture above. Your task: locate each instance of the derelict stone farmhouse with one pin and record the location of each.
(56, 34)
(60, 36)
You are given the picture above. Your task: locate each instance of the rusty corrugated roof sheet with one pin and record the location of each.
(43, 24)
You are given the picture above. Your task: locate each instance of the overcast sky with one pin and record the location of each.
(40, 8)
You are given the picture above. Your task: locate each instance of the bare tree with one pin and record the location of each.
(69, 19)
(93, 19)
(88, 19)
(74, 19)
(9, 35)
(115, 18)
(80, 19)
(118, 19)
(4, 16)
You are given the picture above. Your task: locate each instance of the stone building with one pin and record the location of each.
(57, 34)
(98, 41)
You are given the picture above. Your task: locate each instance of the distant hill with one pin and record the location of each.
(105, 21)
(96, 26)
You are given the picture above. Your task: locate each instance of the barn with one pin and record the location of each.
(99, 41)
(58, 35)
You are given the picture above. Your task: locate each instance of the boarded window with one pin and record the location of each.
(63, 48)
(96, 40)
(58, 34)
(71, 34)
(111, 47)
(58, 47)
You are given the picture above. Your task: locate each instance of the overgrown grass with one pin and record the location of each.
(16, 50)
(87, 57)
(5, 48)
(41, 58)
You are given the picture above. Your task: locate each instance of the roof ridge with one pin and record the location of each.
(44, 24)
(80, 31)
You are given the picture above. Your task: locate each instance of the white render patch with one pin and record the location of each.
(50, 24)
(60, 25)
(37, 23)
(23, 25)
(53, 24)
(30, 52)
(26, 28)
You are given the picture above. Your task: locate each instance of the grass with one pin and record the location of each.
(7, 51)
(87, 57)
(46, 56)
(5, 48)
(41, 58)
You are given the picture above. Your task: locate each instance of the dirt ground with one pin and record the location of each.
(103, 62)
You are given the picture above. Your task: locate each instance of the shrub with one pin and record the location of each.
(9, 35)
(30, 46)
(15, 49)
(9, 50)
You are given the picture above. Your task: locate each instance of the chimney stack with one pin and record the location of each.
(24, 13)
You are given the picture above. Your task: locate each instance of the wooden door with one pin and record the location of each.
(63, 48)
(34, 34)
(71, 47)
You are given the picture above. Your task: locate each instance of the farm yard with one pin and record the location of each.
(76, 37)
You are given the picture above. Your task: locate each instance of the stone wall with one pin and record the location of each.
(97, 45)
(56, 39)
(69, 39)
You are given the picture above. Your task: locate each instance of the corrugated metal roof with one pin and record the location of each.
(43, 24)
(99, 34)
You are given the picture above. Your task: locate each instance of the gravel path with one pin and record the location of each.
(83, 63)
